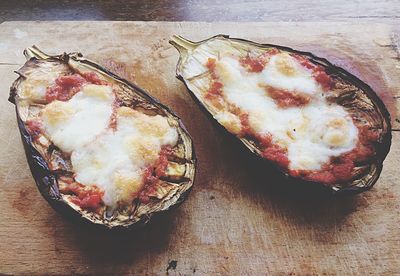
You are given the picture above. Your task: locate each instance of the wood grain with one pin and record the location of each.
(240, 218)
(203, 10)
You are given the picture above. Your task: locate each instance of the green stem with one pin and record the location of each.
(34, 51)
(182, 44)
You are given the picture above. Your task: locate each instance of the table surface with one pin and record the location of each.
(239, 218)
(387, 11)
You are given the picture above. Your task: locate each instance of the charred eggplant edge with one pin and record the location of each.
(382, 149)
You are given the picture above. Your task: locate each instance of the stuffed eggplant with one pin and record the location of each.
(313, 121)
(99, 147)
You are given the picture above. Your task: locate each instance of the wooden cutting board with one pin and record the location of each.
(238, 218)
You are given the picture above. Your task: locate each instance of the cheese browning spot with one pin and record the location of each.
(142, 149)
(286, 65)
(156, 126)
(124, 111)
(34, 89)
(128, 186)
(335, 138)
(337, 133)
(57, 112)
(230, 121)
(103, 92)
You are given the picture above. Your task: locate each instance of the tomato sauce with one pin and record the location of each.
(34, 128)
(214, 93)
(252, 65)
(322, 78)
(93, 78)
(256, 64)
(276, 154)
(215, 86)
(270, 150)
(86, 197)
(153, 173)
(318, 72)
(211, 64)
(214, 90)
(364, 148)
(284, 98)
(66, 87)
(246, 129)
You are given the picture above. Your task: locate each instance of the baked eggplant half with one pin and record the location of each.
(99, 147)
(315, 122)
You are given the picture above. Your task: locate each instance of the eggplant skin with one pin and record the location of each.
(382, 148)
(46, 179)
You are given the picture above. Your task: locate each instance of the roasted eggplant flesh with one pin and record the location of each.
(312, 120)
(98, 145)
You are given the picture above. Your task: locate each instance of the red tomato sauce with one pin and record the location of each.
(66, 87)
(34, 128)
(270, 150)
(215, 89)
(255, 64)
(252, 65)
(284, 98)
(86, 197)
(318, 72)
(211, 64)
(338, 169)
(153, 173)
(93, 78)
(214, 93)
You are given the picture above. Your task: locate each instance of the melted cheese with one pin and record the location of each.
(36, 82)
(230, 121)
(312, 133)
(112, 159)
(76, 122)
(115, 160)
(285, 72)
(34, 89)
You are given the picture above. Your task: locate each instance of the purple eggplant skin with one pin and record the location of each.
(382, 148)
(46, 180)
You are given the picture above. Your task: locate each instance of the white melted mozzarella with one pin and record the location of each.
(36, 82)
(76, 122)
(34, 87)
(113, 160)
(285, 72)
(312, 133)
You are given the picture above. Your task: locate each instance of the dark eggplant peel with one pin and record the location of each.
(99, 147)
(314, 121)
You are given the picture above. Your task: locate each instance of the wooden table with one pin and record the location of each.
(387, 11)
(238, 219)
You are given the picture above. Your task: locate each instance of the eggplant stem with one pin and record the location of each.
(34, 51)
(182, 44)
